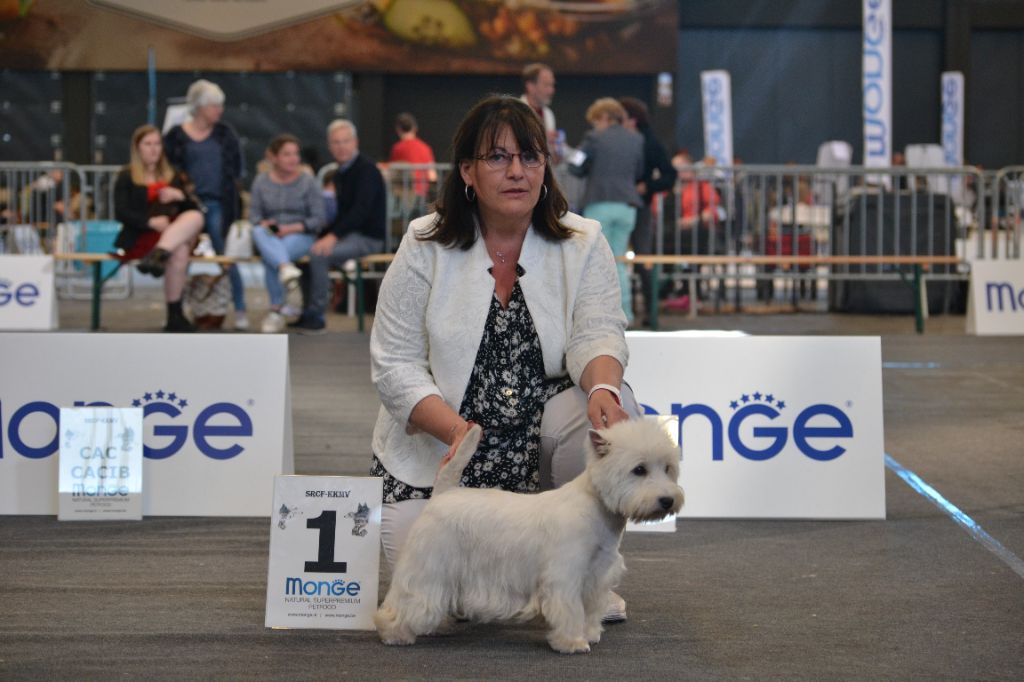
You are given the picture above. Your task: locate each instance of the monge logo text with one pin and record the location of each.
(218, 430)
(759, 425)
(22, 294)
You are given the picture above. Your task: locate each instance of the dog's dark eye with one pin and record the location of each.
(640, 470)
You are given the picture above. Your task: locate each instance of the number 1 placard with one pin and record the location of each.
(324, 552)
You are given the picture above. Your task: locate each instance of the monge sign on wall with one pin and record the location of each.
(770, 427)
(216, 416)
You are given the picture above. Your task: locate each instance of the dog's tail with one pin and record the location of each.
(450, 473)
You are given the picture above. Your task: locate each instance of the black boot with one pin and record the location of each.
(155, 262)
(176, 320)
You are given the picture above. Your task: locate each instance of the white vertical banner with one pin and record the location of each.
(952, 120)
(716, 98)
(877, 86)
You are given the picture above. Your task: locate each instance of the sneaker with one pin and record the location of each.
(290, 311)
(614, 609)
(288, 273)
(273, 323)
(310, 323)
(241, 321)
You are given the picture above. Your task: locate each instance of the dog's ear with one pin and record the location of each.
(600, 444)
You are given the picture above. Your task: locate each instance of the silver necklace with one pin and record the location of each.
(500, 256)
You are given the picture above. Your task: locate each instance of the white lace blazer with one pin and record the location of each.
(430, 318)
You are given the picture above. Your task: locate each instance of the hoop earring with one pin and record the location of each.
(544, 195)
(467, 190)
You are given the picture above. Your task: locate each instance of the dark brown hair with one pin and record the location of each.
(531, 72)
(405, 122)
(636, 110)
(479, 132)
(281, 140)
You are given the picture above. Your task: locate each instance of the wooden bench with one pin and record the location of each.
(918, 264)
(96, 261)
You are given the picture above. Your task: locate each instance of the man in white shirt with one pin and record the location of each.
(539, 84)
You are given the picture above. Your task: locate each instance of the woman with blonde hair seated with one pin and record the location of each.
(159, 220)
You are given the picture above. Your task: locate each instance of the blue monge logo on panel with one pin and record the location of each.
(760, 425)
(219, 430)
(18, 294)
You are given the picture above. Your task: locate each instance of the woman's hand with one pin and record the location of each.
(603, 409)
(159, 222)
(169, 195)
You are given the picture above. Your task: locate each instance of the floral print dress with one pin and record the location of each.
(506, 395)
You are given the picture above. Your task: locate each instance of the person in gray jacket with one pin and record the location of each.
(611, 158)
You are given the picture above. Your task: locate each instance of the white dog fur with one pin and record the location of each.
(487, 554)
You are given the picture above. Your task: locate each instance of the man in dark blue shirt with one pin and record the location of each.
(357, 229)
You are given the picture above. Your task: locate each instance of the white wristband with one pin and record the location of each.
(605, 387)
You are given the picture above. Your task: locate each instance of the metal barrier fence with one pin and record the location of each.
(749, 209)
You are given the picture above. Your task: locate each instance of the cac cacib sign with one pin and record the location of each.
(216, 415)
(769, 427)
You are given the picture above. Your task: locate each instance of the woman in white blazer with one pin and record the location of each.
(502, 308)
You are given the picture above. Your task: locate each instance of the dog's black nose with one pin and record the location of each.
(665, 502)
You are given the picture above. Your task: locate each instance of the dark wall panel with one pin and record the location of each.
(258, 107)
(794, 89)
(31, 127)
(439, 103)
(995, 99)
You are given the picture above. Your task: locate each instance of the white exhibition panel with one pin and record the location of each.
(770, 427)
(995, 306)
(217, 423)
(28, 294)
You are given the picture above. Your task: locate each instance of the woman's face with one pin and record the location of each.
(287, 159)
(506, 189)
(210, 113)
(150, 149)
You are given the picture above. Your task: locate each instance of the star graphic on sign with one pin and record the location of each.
(147, 396)
(172, 396)
(781, 404)
(745, 398)
(757, 396)
(769, 398)
(136, 403)
(182, 403)
(733, 404)
(160, 395)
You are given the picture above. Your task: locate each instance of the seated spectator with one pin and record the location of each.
(287, 212)
(160, 219)
(357, 229)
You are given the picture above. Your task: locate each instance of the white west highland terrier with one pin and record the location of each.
(487, 554)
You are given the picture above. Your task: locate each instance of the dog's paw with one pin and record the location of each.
(594, 634)
(397, 640)
(567, 645)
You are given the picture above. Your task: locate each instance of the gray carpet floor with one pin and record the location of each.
(914, 597)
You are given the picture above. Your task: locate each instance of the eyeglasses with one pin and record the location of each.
(499, 160)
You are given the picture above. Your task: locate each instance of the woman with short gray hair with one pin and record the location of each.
(207, 149)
